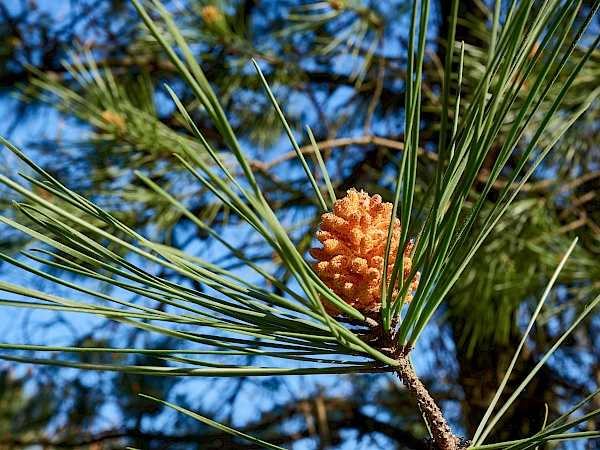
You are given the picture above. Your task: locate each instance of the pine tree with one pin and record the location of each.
(482, 158)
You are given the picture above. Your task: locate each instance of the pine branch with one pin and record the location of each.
(442, 434)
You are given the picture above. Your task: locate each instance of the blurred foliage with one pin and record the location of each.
(340, 67)
(23, 414)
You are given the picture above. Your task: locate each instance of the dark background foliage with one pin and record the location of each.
(344, 75)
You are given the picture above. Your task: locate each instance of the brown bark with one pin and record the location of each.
(442, 434)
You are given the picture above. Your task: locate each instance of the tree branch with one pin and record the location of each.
(442, 434)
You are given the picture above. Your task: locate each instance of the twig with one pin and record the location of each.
(540, 185)
(442, 434)
(339, 142)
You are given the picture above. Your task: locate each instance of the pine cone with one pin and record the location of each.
(351, 261)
